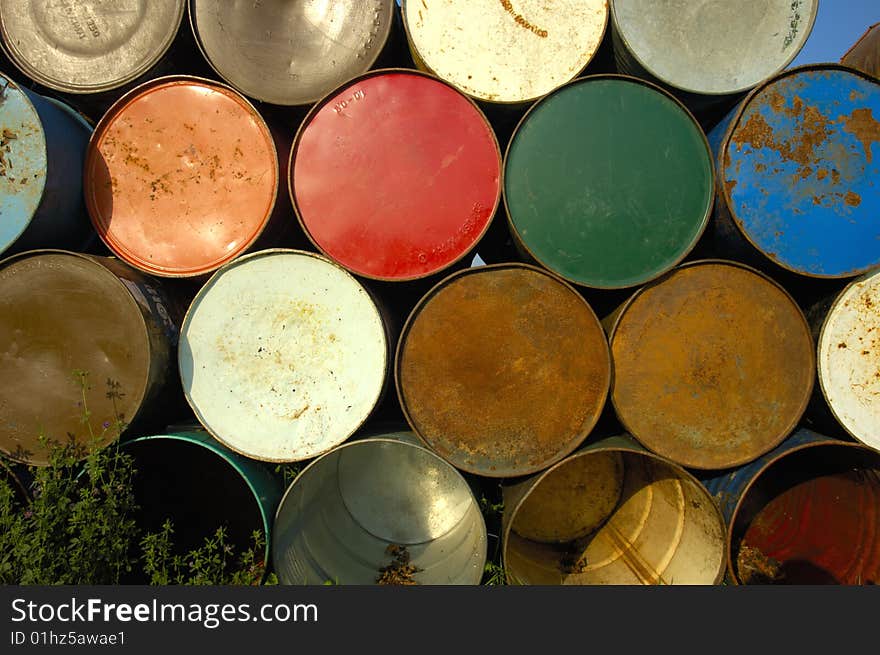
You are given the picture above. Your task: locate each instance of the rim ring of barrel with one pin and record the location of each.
(805, 400)
(573, 442)
(323, 102)
(635, 80)
(678, 468)
(721, 178)
(133, 75)
(101, 224)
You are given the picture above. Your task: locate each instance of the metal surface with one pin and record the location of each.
(502, 370)
(713, 365)
(81, 46)
(191, 478)
(347, 514)
(396, 175)
(798, 163)
(42, 147)
(865, 53)
(660, 525)
(62, 312)
(283, 355)
(809, 516)
(708, 47)
(849, 359)
(727, 487)
(181, 176)
(290, 53)
(608, 182)
(505, 52)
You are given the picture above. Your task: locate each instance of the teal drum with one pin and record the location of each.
(42, 149)
(189, 477)
(608, 182)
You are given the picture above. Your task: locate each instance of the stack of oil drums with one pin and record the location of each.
(587, 289)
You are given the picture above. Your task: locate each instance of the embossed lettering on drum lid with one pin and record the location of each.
(79, 46)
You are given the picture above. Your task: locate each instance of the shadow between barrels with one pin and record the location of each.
(192, 480)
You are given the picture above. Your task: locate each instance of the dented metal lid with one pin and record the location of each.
(86, 47)
(290, 53)
(798, 170)
(283, 355)
(505, 52)
(849, 359)
(181, 176)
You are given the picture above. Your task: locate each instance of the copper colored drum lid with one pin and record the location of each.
(713, 365)
(396, 175)
(503, 370)
(60, 313)
(181, 176)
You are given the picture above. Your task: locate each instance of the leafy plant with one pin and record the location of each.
(214, 563)
(79, 526)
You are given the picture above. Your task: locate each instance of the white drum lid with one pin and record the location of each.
(849, 359)
(283, 355)
(505, 51)
(713, 46)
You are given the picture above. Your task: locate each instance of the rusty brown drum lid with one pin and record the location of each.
(503, 370)
(713, 365)
(62, 313)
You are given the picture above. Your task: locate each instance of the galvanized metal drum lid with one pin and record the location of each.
(713, 365)
(23, 162)
(799, 166)
(810, 516)
(396, 175)
(502, 370)
(181, 176)
(60, 313)
(291, 53)
(608, 182)
(383, 511)
(506, 52)
(849, 359)
(283, 355)
(656, 524)
(711, 47)
(86, 47)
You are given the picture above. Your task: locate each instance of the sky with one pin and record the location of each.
(839, 24)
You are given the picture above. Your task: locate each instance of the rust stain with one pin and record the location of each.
(821, 174)
(853, 199)
(813, 129)
(691, 355)
(485, 342)
(864, 127)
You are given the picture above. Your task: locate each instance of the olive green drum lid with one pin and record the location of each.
(61, 313)
(608, 182)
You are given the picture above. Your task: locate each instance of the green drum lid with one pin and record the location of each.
(608, 182)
